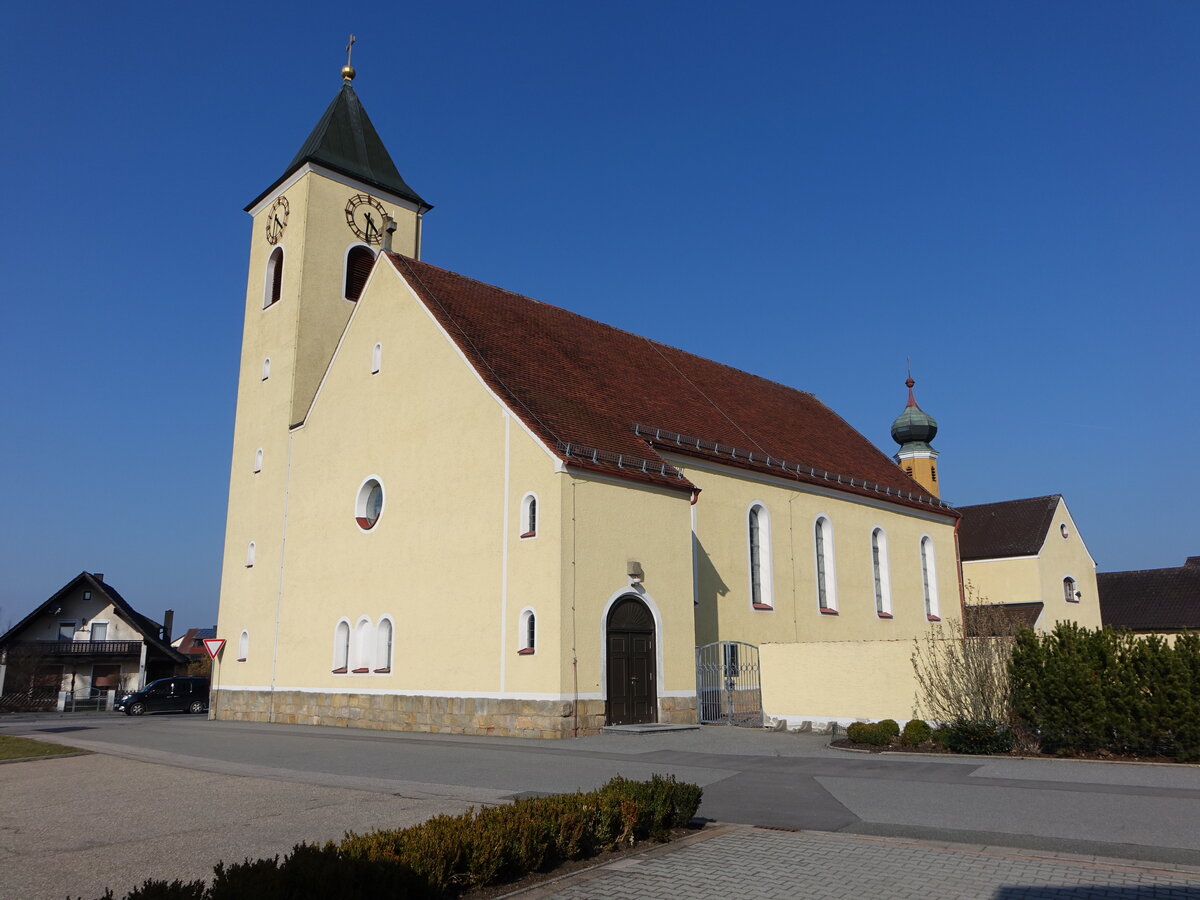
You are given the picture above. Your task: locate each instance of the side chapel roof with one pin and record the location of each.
(1151, 599)
(609, 401)
(1007, 528)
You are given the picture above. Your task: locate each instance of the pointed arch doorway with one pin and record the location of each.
(632, 695)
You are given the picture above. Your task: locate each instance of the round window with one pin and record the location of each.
(369, 504)
(1063, 530)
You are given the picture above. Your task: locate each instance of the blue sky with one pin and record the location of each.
(1006, 193)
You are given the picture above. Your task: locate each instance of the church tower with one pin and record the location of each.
(913, 430)
(315, 236)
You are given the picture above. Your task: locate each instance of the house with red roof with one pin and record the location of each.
(454, 508)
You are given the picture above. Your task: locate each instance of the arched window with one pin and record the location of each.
(376, 358)
(929, 580)
(258, 460)
(273, 283)
(826, 581)
(243, 646)
(879, 571)
(250, 554)
(266, 373)
(341, 647)
(761, 595)
(528, 632)
(1070, 591)
(359, 261)
(362, 646)
(383, 646)
(529, 516)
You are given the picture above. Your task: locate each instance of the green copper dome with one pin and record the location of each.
(914, 428)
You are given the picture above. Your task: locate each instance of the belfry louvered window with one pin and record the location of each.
(274, 280)
(359, 261)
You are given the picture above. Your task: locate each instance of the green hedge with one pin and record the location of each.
(449, 854)
(1084, 690)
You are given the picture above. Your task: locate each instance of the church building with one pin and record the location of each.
(454, 508)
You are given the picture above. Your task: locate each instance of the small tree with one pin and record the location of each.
(962, 672)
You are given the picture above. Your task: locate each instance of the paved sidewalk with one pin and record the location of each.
(760, 864)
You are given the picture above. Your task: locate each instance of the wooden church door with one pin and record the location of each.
(632, 697)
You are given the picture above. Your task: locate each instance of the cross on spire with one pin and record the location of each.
(347, 69)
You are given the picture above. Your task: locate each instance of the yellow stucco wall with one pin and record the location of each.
(725, 611)
(1040, 577)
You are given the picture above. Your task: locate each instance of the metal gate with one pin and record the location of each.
(727, 686)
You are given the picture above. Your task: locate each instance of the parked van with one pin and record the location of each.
(184, 693)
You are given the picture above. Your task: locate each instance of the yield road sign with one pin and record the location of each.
(214, 646)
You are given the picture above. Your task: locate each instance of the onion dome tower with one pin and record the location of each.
(913, 430)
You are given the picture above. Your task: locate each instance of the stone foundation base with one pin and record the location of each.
(437, 715)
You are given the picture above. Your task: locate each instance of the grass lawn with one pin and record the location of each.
(23, 748)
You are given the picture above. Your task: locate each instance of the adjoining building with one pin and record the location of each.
(1165, 602)
(455, 508)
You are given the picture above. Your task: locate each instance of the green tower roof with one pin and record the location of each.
(345, 141)
(914, 428)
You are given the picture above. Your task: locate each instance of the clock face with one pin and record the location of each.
(277, 217)
(364, 215)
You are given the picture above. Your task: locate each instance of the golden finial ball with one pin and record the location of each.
(348, 73)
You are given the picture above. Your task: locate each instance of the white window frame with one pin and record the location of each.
(929, 579)
(385, 639)
(376, 357)
(758, 543)
(266, 368)
(243, 645)
(258, 459)
(250, 552)
(274, 259)
(528, 617)
(880, 574)
(341, 646)
(1071, 594)
(824, 565)
(92, 633)
(529, 522)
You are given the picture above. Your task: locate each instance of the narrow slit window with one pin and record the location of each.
(528, 632)
(376, 358)
(929, 580)
(258, 456)
(266, 369)
(243, 646)
(383, 646)
(823, 550)
(362, 647)
(341, 647)
(529, 516)
(760, 557)
(879, 572)
(250, 555)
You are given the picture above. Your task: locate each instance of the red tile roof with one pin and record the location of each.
(1008, 528)
(1151, 599)
(583, 386)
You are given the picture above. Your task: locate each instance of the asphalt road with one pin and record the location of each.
(1140, 812)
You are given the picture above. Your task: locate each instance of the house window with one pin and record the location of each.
(529, 516)
(359, 261)
(929, 580)
(250, 554)
(528, 632)
(760, 557)
(273, 284)
(376, 358)
(383, 646)
(826, 583)
(266, 370)
(258, 460)
(362, 647)
(243, 646)
(341, 647)
(879, 572)
(66, 631)
(1070, 592)
(99, 631)
(368, 507)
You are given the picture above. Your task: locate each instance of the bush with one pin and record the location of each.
(447, 854)
(878, 734)
(941, 736)
(916, 732)
(979, 737)
(890, 726)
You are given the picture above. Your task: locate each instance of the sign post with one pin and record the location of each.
(213, 646)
